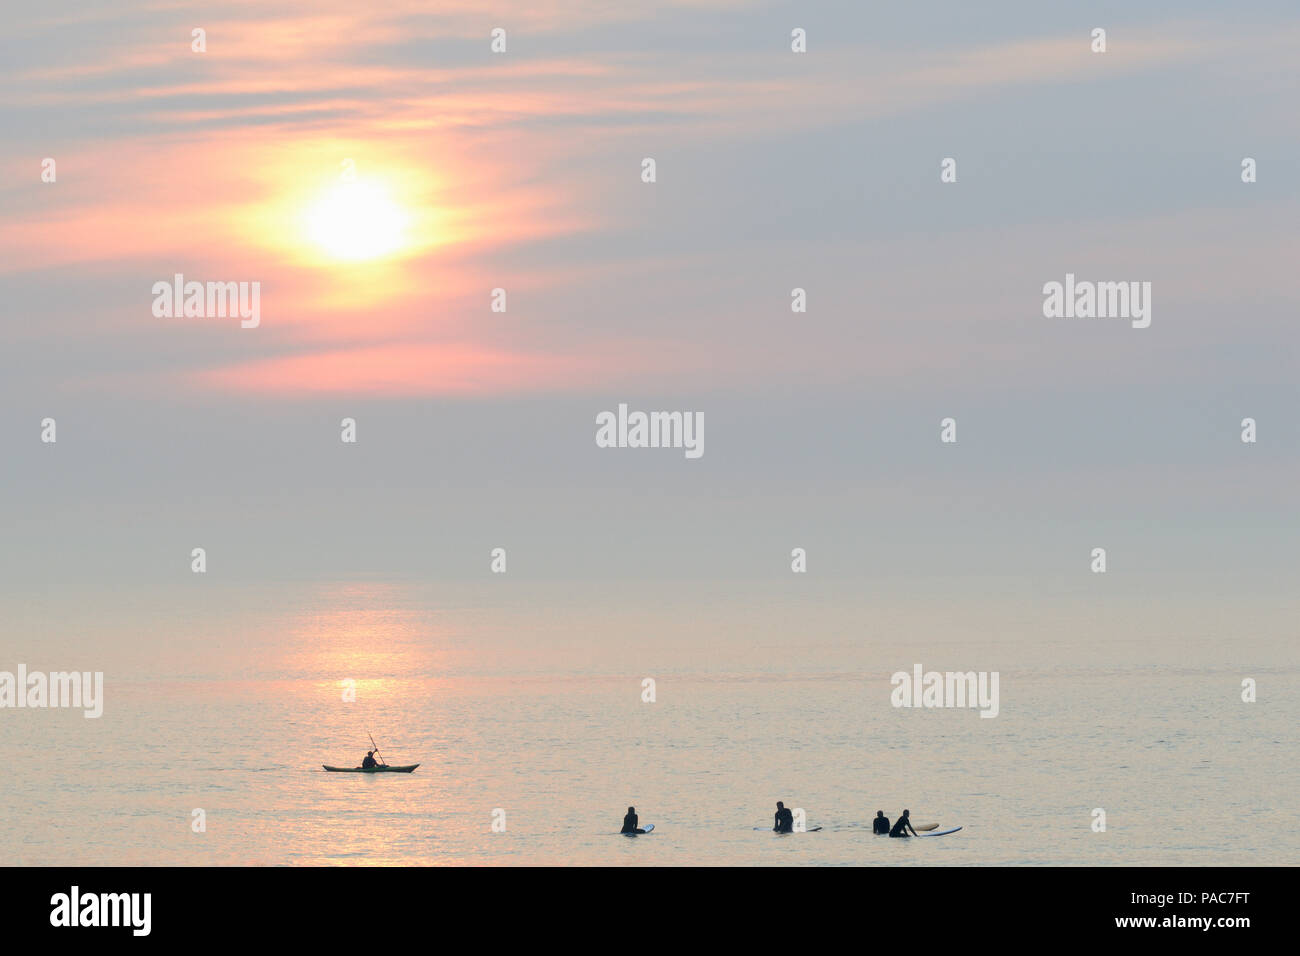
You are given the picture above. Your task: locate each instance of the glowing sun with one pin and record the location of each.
(356, 220)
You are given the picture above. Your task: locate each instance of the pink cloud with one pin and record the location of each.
(393, 370)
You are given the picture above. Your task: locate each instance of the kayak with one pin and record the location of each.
(383, 768)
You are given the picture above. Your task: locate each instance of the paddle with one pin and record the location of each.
(385, 762)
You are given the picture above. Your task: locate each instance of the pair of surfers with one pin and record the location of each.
(899, 829)
(784, 822)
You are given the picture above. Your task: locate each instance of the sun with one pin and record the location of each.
(356, 221)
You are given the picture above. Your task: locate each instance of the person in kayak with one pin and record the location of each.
(881, 823)
(369, 761)
(630, 822)
(903, 825)
(784, 819)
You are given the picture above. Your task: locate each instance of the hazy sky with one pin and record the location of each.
(775, 170)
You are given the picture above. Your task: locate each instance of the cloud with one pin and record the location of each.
(521, 171)
(406, 369)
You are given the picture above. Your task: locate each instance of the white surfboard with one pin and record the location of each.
(644, 830)
(940, 832)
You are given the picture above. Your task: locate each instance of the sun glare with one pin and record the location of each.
(356, 220)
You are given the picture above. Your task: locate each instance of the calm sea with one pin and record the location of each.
(530, 701)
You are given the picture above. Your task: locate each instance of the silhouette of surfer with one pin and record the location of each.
(630, 822)
(369, 761)
(881, 823)
(903, 825)
(784, 819)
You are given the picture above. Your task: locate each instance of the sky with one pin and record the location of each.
(775, 170)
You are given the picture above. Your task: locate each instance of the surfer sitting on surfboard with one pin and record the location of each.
(902, 826)
(784, 819)
(369, 761)
(881, 823)
(630, 822)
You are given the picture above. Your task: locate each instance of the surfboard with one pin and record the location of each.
(645, 829)
(940, 832)
(928, 826)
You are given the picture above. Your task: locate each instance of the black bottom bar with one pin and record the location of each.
(333, 905)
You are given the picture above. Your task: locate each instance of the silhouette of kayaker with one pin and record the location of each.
(784, 819)
(881, 823)
(903, 825)
(630, 822)
(369, 761)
